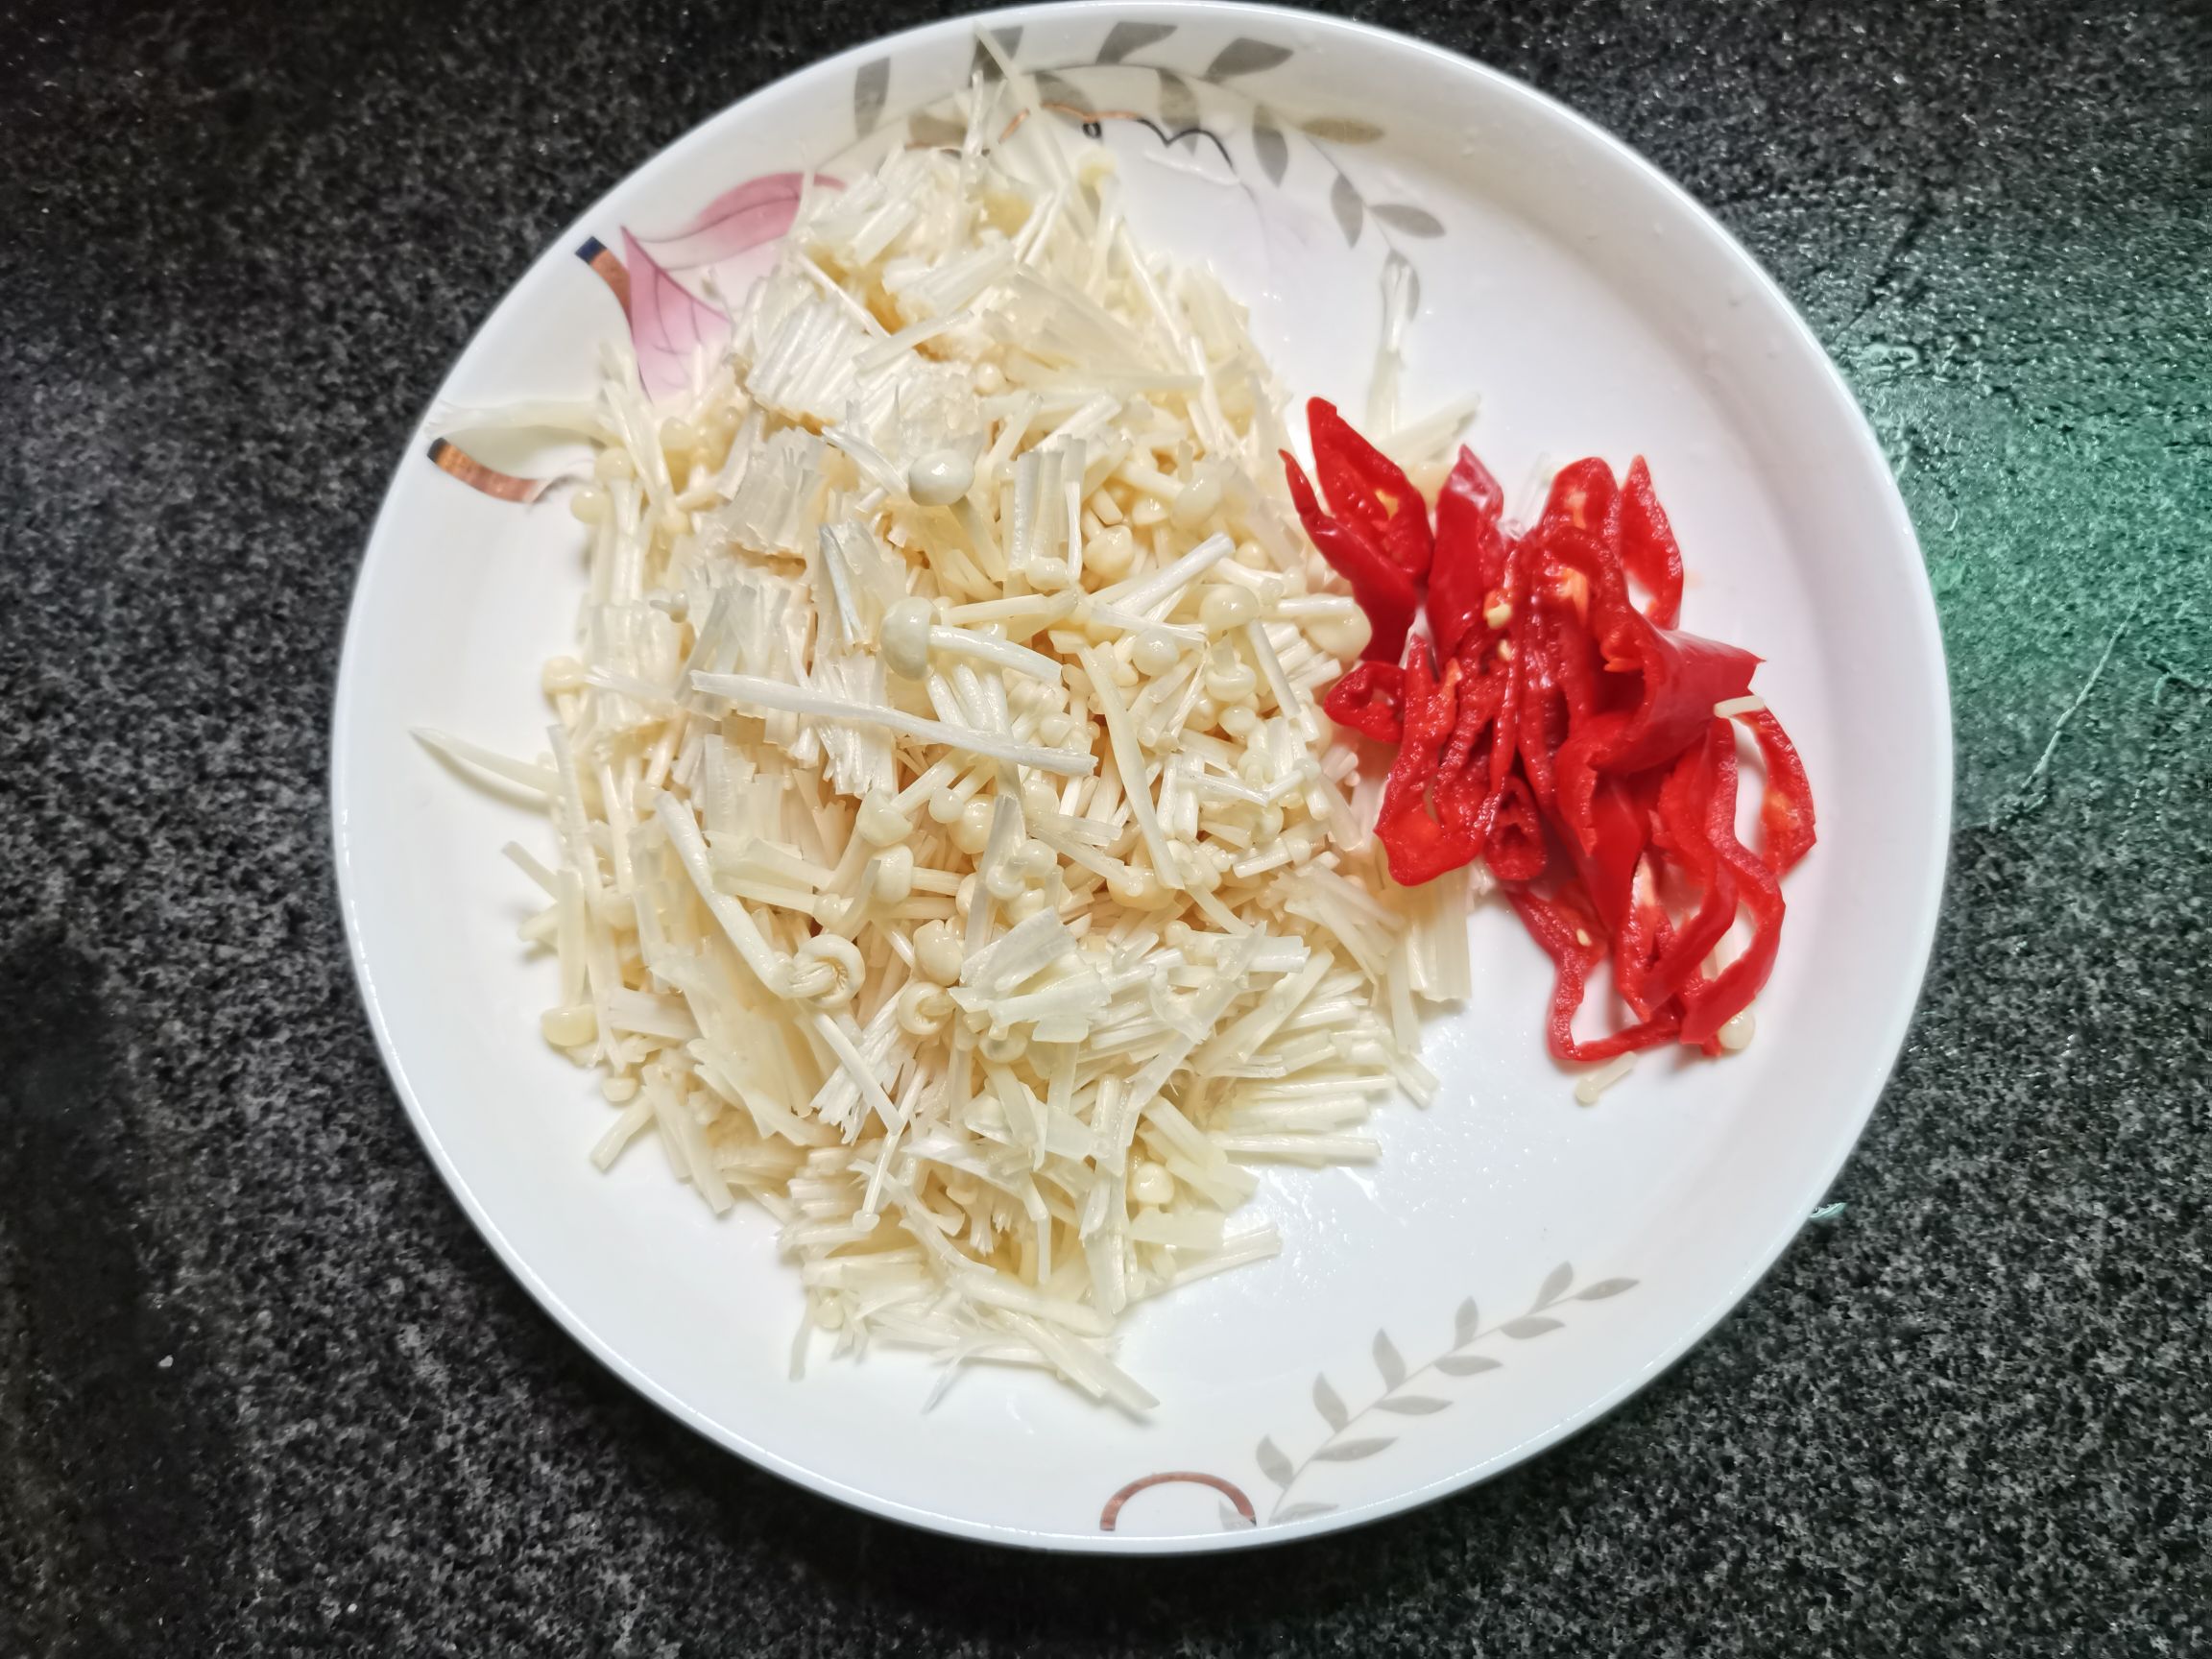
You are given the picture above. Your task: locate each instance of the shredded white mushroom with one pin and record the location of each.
(949, 856)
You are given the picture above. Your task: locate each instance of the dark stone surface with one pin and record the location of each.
(261, 1387)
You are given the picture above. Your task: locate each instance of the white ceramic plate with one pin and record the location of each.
(1515, 1264)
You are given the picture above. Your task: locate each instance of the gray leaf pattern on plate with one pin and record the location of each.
(1411, 1405)
(1126, 38)
(1387, 1360)
(1342, 130)
(1350, 210)
(1604, 1289)
(1178, 104)
(870, 86)
(1060, 92)
(1352, 1451)
(1555, 1285)
(1245, 56)
(1467, 1364)
(1269, 145)
(1529, 1325)
(1413, 221)
(1343, 1444)
(1329, 1403)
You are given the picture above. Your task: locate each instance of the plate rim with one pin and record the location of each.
(1929, 661)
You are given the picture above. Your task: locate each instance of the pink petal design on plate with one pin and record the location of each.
(667, 326)
(756, 211)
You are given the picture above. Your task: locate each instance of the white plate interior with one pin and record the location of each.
(1594, 309)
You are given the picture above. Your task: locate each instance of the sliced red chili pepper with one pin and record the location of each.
(1648, 546)
(1736, 986)
(1481, 689)
(1420, 845)
(1571, 653)
(1584, 498)
(1543, 718)
(1465, 803)
(1683, 677)
(1369, 699)
(1587, 714)
(1786, 810)
(1513, 834)
(1469, 565)
(1564, 576)
(1698, 798)
(1565, 933)
(1639, 943)
(1618, 828)
(1574, 773)
(1369, 490)
(1711, 1005)
(1385, 591)
(1505, 743)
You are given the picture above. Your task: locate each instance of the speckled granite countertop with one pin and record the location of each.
(262, 1388)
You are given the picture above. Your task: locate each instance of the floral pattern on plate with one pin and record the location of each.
(1356, 1433)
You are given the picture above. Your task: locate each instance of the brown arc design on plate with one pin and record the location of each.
(1111, 1515)
(607, 265)
(450, 458)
